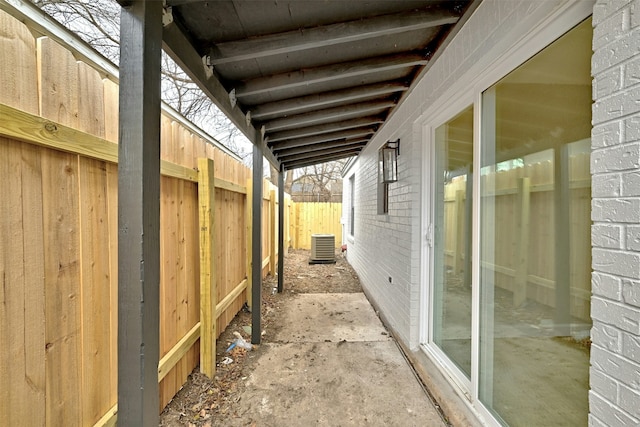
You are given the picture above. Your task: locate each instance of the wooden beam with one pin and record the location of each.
(208, 289)
(109, 419)
(317, 160)
(229, 186)
(231, 296)
(328, 73)
(178, 351)
(320, 146)
(325, 99)
(179, 48)
(256, 238)
(27, 127)
(139, 214)
(339, 136)
(329, 115)
(329, 35)
(23, 126)
(322, 152)
(366, 122)
(166, 364)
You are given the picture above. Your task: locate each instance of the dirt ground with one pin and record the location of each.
(205, 402)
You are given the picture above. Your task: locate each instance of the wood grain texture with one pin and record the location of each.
(62, 290)
(18, 70)
(111, 119)
(112, 205)
(307, 218)
(34, 313)
(65, 222)
(22, 291)
(57, 79)
(95, 288)
(208, 289)
(168, 279)
(91, 114)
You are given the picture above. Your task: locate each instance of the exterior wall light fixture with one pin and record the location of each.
(389, 161)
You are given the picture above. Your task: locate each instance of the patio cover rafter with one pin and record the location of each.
(329, 35)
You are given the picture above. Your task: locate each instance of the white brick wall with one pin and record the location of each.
(615, 165)
(390, 245)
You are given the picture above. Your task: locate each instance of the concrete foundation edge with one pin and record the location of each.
(451, 404)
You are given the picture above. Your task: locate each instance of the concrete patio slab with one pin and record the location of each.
(333, 364)
(330, 317)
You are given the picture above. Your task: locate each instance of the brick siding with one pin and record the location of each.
(614, 399)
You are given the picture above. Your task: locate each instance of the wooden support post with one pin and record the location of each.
(522, 243)
(208, 285)
(256, 247)
(273, 221)
(281, 203)
(248, 224)
(562, 318)
(139, 214)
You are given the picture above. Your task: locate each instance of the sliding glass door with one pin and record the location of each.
(452, 239)
(510, 309)
(534, 231)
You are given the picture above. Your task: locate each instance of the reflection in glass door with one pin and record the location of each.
(535, 258)
(452, 239)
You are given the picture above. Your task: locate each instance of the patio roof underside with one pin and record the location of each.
(311, 81)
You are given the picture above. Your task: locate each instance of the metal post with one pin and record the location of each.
(281, 229)
(256, 251)
(139, 214)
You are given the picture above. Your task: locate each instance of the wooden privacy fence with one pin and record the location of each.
(58, 238)
(307, 218)
(524, 203)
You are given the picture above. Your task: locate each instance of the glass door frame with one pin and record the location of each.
(465, 385)
(466, 92)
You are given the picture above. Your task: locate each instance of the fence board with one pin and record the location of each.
(191, 271)
(57, 77)
(18, 76)
(168, 279)
(59, 326)
(90, 101)
(111, 94)
(34, 316)
(112, 204)
(21, 301)
(208, 288)
(95, 287)
(62, 291)
(309, 218)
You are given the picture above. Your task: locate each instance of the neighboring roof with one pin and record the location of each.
(316, 78)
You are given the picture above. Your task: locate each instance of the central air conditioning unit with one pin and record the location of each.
(323, 249)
